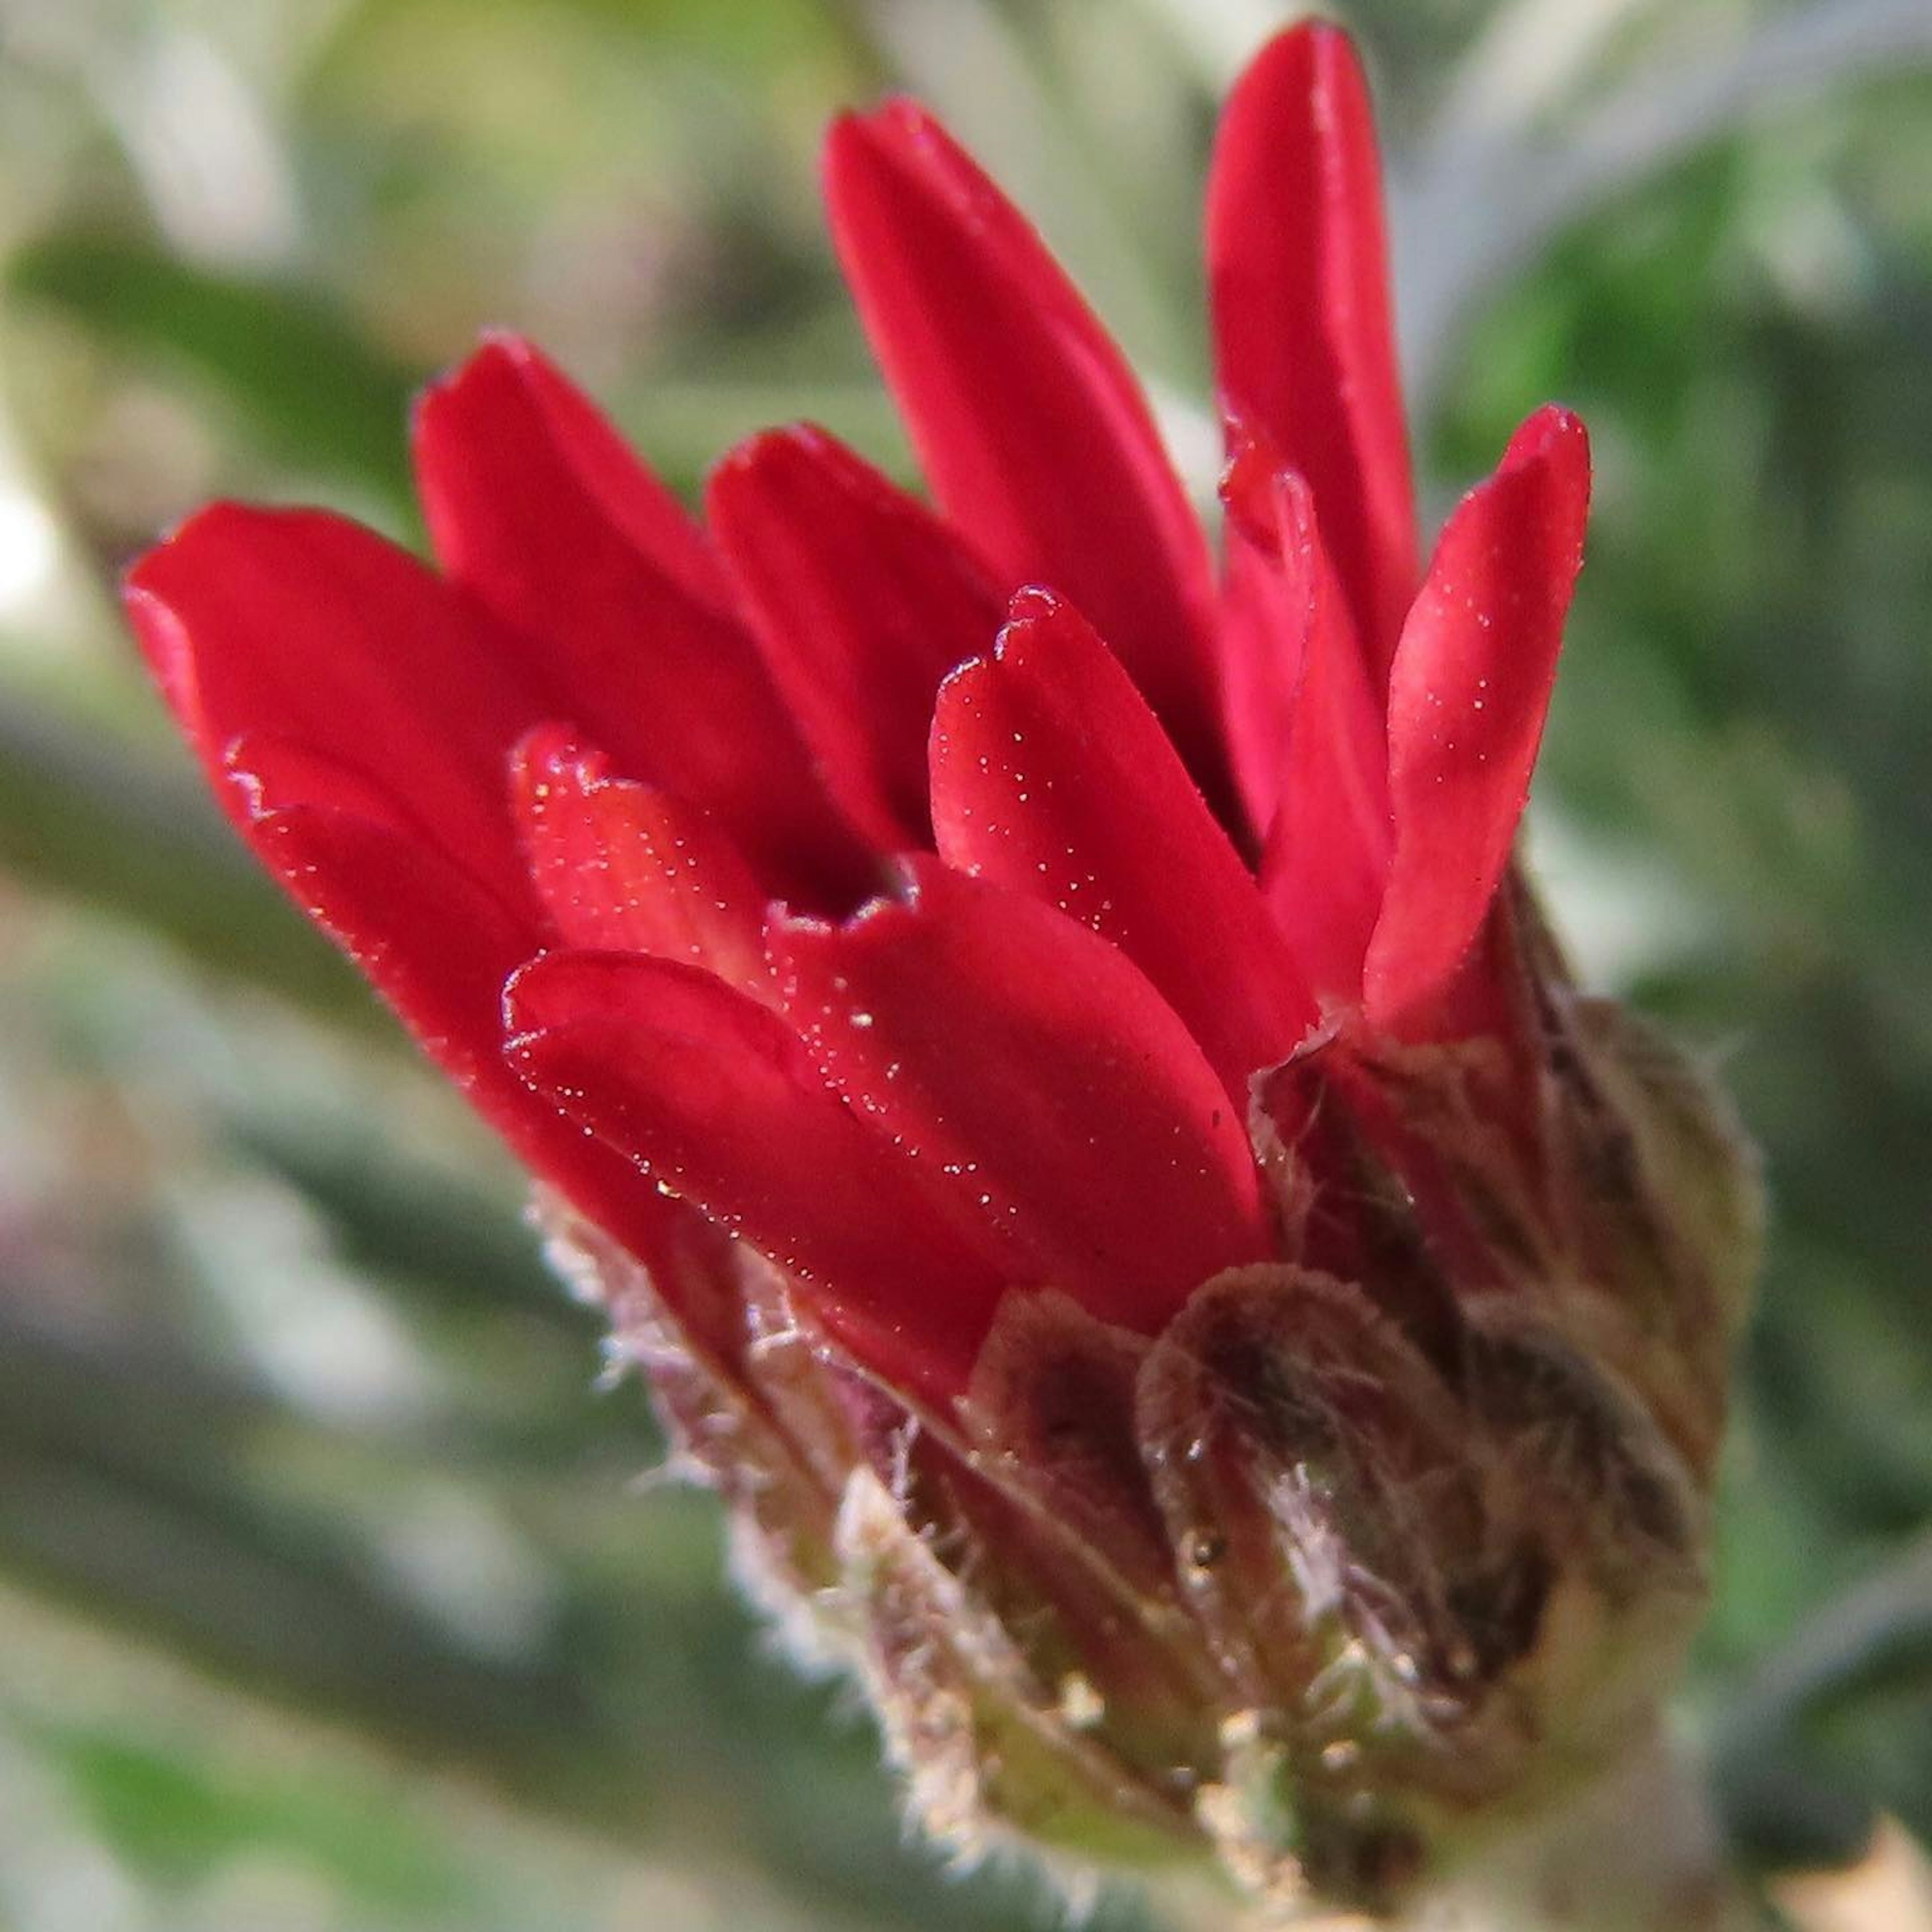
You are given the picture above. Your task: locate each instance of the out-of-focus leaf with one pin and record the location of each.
(1783, 1812)
(316, 391)
(83, 816)
(180, 1820)
(1797, 1756)
(763, 35)
(128, 1485)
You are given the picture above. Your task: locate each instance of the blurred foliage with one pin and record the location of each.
(259, 342)
(327, 1597)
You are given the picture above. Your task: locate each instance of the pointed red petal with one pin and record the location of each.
(670, 686)
(1026, 419)
(621, 868)
(1298, 275)
(1263, 629)
(637, 502)
(863, 601)
(1030, 1067)
(438, 947)
(1467, 696)
(1325, 865)
(715, 1095)
(1050, 776)
(298, 625)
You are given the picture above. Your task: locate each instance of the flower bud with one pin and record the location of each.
(1033, 1031)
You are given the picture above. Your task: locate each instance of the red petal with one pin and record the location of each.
(1298, 274)
(1263, 634)
(715, 1095)
(1050, 776)
(864, 600)
(438, 948)
(635, 500)
(1030, 1068)
(1035, 436)
(1326, 863)
(298, 625)
(1467, 695)
(623, 868)
(669, 684)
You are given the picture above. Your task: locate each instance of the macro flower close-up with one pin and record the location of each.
(1026, 1017)
(963, 964)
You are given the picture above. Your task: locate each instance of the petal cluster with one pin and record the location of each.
(919, 892)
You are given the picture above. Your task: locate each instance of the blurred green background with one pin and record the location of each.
(333, 1593)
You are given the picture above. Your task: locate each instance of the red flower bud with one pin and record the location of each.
(1036, 1039)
